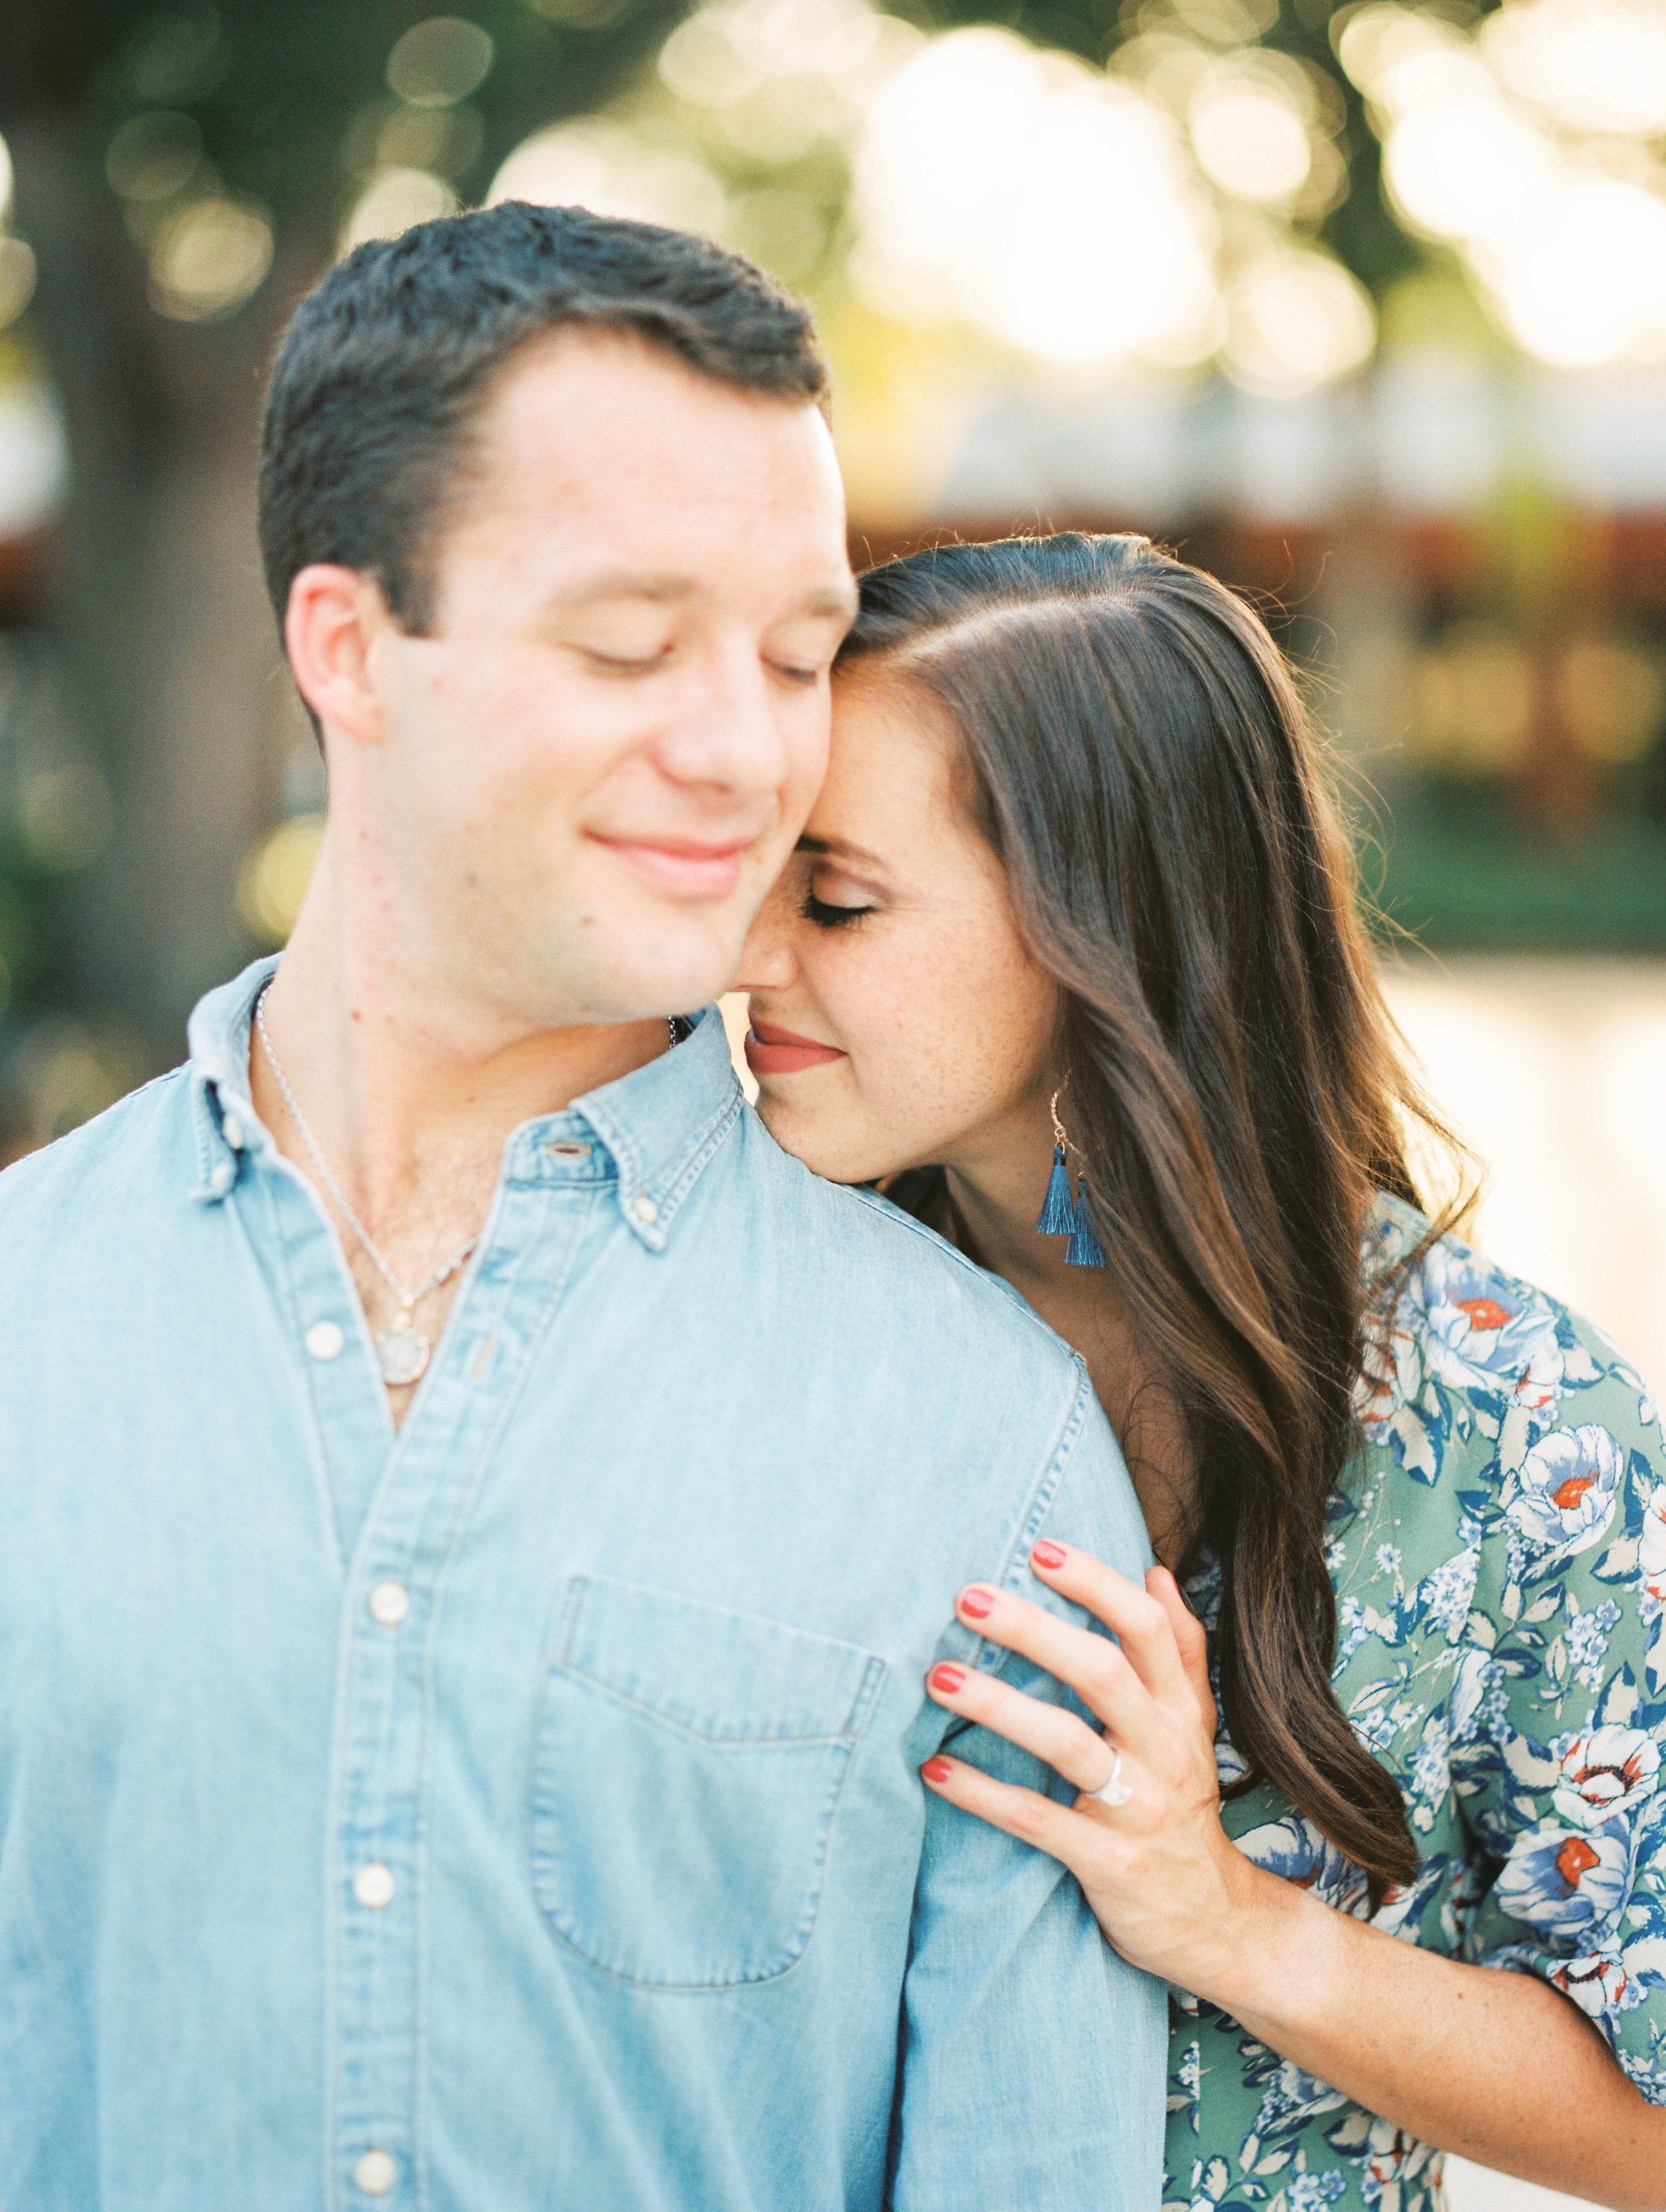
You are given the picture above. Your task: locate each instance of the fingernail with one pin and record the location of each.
(947, 1679)
(937, 1769)
(1049, 1555)
(977, 1602)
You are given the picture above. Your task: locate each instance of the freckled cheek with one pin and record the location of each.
(912, 1033)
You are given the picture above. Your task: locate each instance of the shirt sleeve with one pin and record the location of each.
(1033, 2058)
(1560, 1777)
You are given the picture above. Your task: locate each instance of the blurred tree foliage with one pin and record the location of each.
(153, 584)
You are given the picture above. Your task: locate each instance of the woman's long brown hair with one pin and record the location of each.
(1141, 762)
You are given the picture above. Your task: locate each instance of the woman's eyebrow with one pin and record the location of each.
(840, 848)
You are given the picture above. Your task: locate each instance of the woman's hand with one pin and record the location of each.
(1166, 1884)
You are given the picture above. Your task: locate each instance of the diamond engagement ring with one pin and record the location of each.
(1113, 1790)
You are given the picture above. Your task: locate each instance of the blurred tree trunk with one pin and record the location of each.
(158, 615)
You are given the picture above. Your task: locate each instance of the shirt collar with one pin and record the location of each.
(658, 1126)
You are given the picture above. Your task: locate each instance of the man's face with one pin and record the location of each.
(593, 767)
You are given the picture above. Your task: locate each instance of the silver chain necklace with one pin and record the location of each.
(402, 1351)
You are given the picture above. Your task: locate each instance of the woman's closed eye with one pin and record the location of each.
(826, 914)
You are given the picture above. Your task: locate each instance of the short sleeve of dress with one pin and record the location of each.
(1558, 1711)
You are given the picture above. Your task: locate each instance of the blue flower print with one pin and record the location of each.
(1562, 1882)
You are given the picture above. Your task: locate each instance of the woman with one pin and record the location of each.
(1069, 946)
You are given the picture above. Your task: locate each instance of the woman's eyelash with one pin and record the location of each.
(830, 917)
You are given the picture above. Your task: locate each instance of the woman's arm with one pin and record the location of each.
(1496, 2066)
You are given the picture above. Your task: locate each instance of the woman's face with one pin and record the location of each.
(898, 1019)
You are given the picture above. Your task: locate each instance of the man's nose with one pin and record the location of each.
(767, 960)
(734, 733)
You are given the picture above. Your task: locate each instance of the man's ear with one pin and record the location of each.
(330, 628)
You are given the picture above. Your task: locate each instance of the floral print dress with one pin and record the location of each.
(1499, 1560)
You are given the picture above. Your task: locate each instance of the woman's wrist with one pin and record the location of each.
(1275, 1941)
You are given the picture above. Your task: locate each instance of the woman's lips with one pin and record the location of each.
(772, 1051)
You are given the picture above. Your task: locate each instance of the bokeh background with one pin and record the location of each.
(1363, 307)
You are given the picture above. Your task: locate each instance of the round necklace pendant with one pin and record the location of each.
(403, 1355)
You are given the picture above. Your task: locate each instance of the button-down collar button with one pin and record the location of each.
(219, 1180)
(324, 1340)
(647, 1211)
(374, 2173)
(231, 1128)
(389, 1603)
(373, 1885)
(569, 1149)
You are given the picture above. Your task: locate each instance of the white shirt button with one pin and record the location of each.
(389, 1603)
(374, 2173)
(220, 1179)
(231, 1128)
(324, 1340)
(647, 1211)
(373, 1885)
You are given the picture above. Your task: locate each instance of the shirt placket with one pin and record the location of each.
(390, 1656)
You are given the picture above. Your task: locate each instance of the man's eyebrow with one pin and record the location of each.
(839, 849)
(840, 600)
(623, 584)
(836, 601)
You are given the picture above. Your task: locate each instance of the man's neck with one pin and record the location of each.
(399, 1077)
(393, 1098)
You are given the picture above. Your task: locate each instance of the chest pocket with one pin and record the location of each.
(689, 1761)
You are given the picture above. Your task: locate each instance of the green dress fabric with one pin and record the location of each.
(1498, 1550)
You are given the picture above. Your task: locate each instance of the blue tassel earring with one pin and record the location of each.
(1061, 1215)
(1058, 1215)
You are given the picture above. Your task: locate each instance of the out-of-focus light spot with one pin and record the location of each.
(16, 279)
(391, 203)
(1596, 65)
(1227, 23)
(6, 181)
(272, 881)
(1580, 279)
(1373, 41)
(153, 156)
(438, 63)
(66, 815)
(34, 458)
(777, 77)
(1476, 697)
(444, 140)
(209, 259)
(1051, 206)
(66, 1075)
(782, 231)
(1613, 699)
(1459, 169)
(1250, 140)
(584, 14)
(1565, 237)
(605, 167)
(173, 54)
(1296, 321)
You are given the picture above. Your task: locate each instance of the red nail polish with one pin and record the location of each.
(978, 1603)
(948, 1679)
(1049, 1555)
(937, 1769)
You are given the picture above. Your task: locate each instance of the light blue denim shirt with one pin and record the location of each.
(521, 1811)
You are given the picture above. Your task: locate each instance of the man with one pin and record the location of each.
(476, 1515)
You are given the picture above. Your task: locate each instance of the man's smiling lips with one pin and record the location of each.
(773, 1051)
(683, 866)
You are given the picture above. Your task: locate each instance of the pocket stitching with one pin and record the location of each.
(873, 1674)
